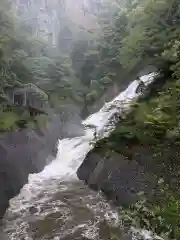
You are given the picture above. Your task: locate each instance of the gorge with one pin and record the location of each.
(112, 175)
(54, 204)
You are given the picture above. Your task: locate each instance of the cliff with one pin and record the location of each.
(47, 18)
(27, 150)
(142, 151)
(123, 171)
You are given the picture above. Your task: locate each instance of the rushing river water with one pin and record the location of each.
(55, 205)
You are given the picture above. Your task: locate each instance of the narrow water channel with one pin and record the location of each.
(55, 205)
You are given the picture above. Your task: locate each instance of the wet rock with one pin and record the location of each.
(3, 236)
(121, 178)
(27, 151)
(118, 178)
(33, 209)
(141, 87)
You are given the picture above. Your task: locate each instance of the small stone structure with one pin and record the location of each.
(29, 96)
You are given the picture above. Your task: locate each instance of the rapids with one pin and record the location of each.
(55, 205)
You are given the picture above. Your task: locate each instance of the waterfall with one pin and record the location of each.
(59, 176)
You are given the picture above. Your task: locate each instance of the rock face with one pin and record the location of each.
(47, 17)
(22, 153)
(122, 176)
(42, 16)
(27, 151)
(119, 178)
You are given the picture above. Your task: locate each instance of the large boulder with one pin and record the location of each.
(22, 152)
(137, 169)
(118, 177)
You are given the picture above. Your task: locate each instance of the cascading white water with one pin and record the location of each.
(44, 190)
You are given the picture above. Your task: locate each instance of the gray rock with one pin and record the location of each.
(28, 151)
(119, 178)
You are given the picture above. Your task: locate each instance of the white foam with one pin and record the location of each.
(71, 153)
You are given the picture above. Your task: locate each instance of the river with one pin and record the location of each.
(55, 205)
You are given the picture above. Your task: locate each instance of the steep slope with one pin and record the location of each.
(139, 162)
(46, 18)
(144, 147)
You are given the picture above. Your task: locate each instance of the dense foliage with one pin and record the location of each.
(69, 72)
(134, 34)
(138, 34)
(27, 59)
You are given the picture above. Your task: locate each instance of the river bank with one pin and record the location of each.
(139, 160)
(55, 204)
(29, 150)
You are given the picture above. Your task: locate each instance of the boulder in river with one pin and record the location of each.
(119, 178)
